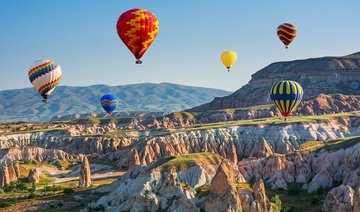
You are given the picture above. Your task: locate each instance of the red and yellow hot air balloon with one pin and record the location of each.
(137, 28)
(286, 33)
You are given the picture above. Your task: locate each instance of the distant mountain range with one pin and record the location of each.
(325, 75)
(25, 104)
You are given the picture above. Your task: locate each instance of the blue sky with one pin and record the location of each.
(80, 35)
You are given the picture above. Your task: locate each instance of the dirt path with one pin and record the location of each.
(96, 176)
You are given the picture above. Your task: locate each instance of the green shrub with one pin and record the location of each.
(289, 209)
(33, 186)
(278, 203)
(5, 204)
(32, 195)
(21, 186)
(315, 200)
(68, 190)
(293, 191)
(10, 188)
(53, 188)
(321, 191)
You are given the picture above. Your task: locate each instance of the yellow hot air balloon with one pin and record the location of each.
(228, 58)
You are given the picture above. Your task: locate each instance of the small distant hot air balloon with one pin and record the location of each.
(45, 75)
(228, 58)
(287, 33)
(109, 102)
(286, 96)
(137, 28)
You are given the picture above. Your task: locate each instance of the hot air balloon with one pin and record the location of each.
(45, 75)
(228, 58)
(286, 96)
(287, 33)
(137, 28)
(109, 103)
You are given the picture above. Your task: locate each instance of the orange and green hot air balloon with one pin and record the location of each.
(287, 33)
(286, 96)
(137, 28)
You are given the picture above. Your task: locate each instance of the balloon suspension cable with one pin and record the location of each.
(138, 62)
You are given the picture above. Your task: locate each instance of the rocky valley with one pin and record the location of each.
(235, 153)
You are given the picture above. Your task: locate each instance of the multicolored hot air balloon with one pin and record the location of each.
(109, 102)
(286, 96)
(287, 33)
(228, 58)
(137, 28)
(45, 75)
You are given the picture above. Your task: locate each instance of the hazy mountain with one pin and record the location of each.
(25, 104)
(326, 75)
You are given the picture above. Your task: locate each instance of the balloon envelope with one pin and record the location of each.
(286, 96)
(44, 75)
(286, 33)
(228, 58)
(137, 28)
(109, 102)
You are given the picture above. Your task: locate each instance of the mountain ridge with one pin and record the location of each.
(67, 100)
(324, 75)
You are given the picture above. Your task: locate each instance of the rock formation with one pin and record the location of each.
(314, 170)
(260, 196)
(255, 199)
(35, 154)
(4, 175)
(85, 174)
(34, 175)
(9, 172)
(223, 195)
(261, 150)
(341, 199)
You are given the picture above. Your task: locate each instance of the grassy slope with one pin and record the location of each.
(183, 161)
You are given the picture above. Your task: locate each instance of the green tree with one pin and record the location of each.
(277, 203)
(33, 186)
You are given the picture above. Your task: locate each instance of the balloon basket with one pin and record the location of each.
(138, 62)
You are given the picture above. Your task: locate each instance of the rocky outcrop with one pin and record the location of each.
(4, 176)
(260, 196)
(134, 159)
(69, 141)
(12, 155)
(223, 195)
(255, 199)
(85, 174)
(261, 150)
(314, 169)
(171, 183)
(231, 142)
(195, 182)
(34, 175)
(9, 172)
(341, 199)
(245, 141)
(327, 75)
